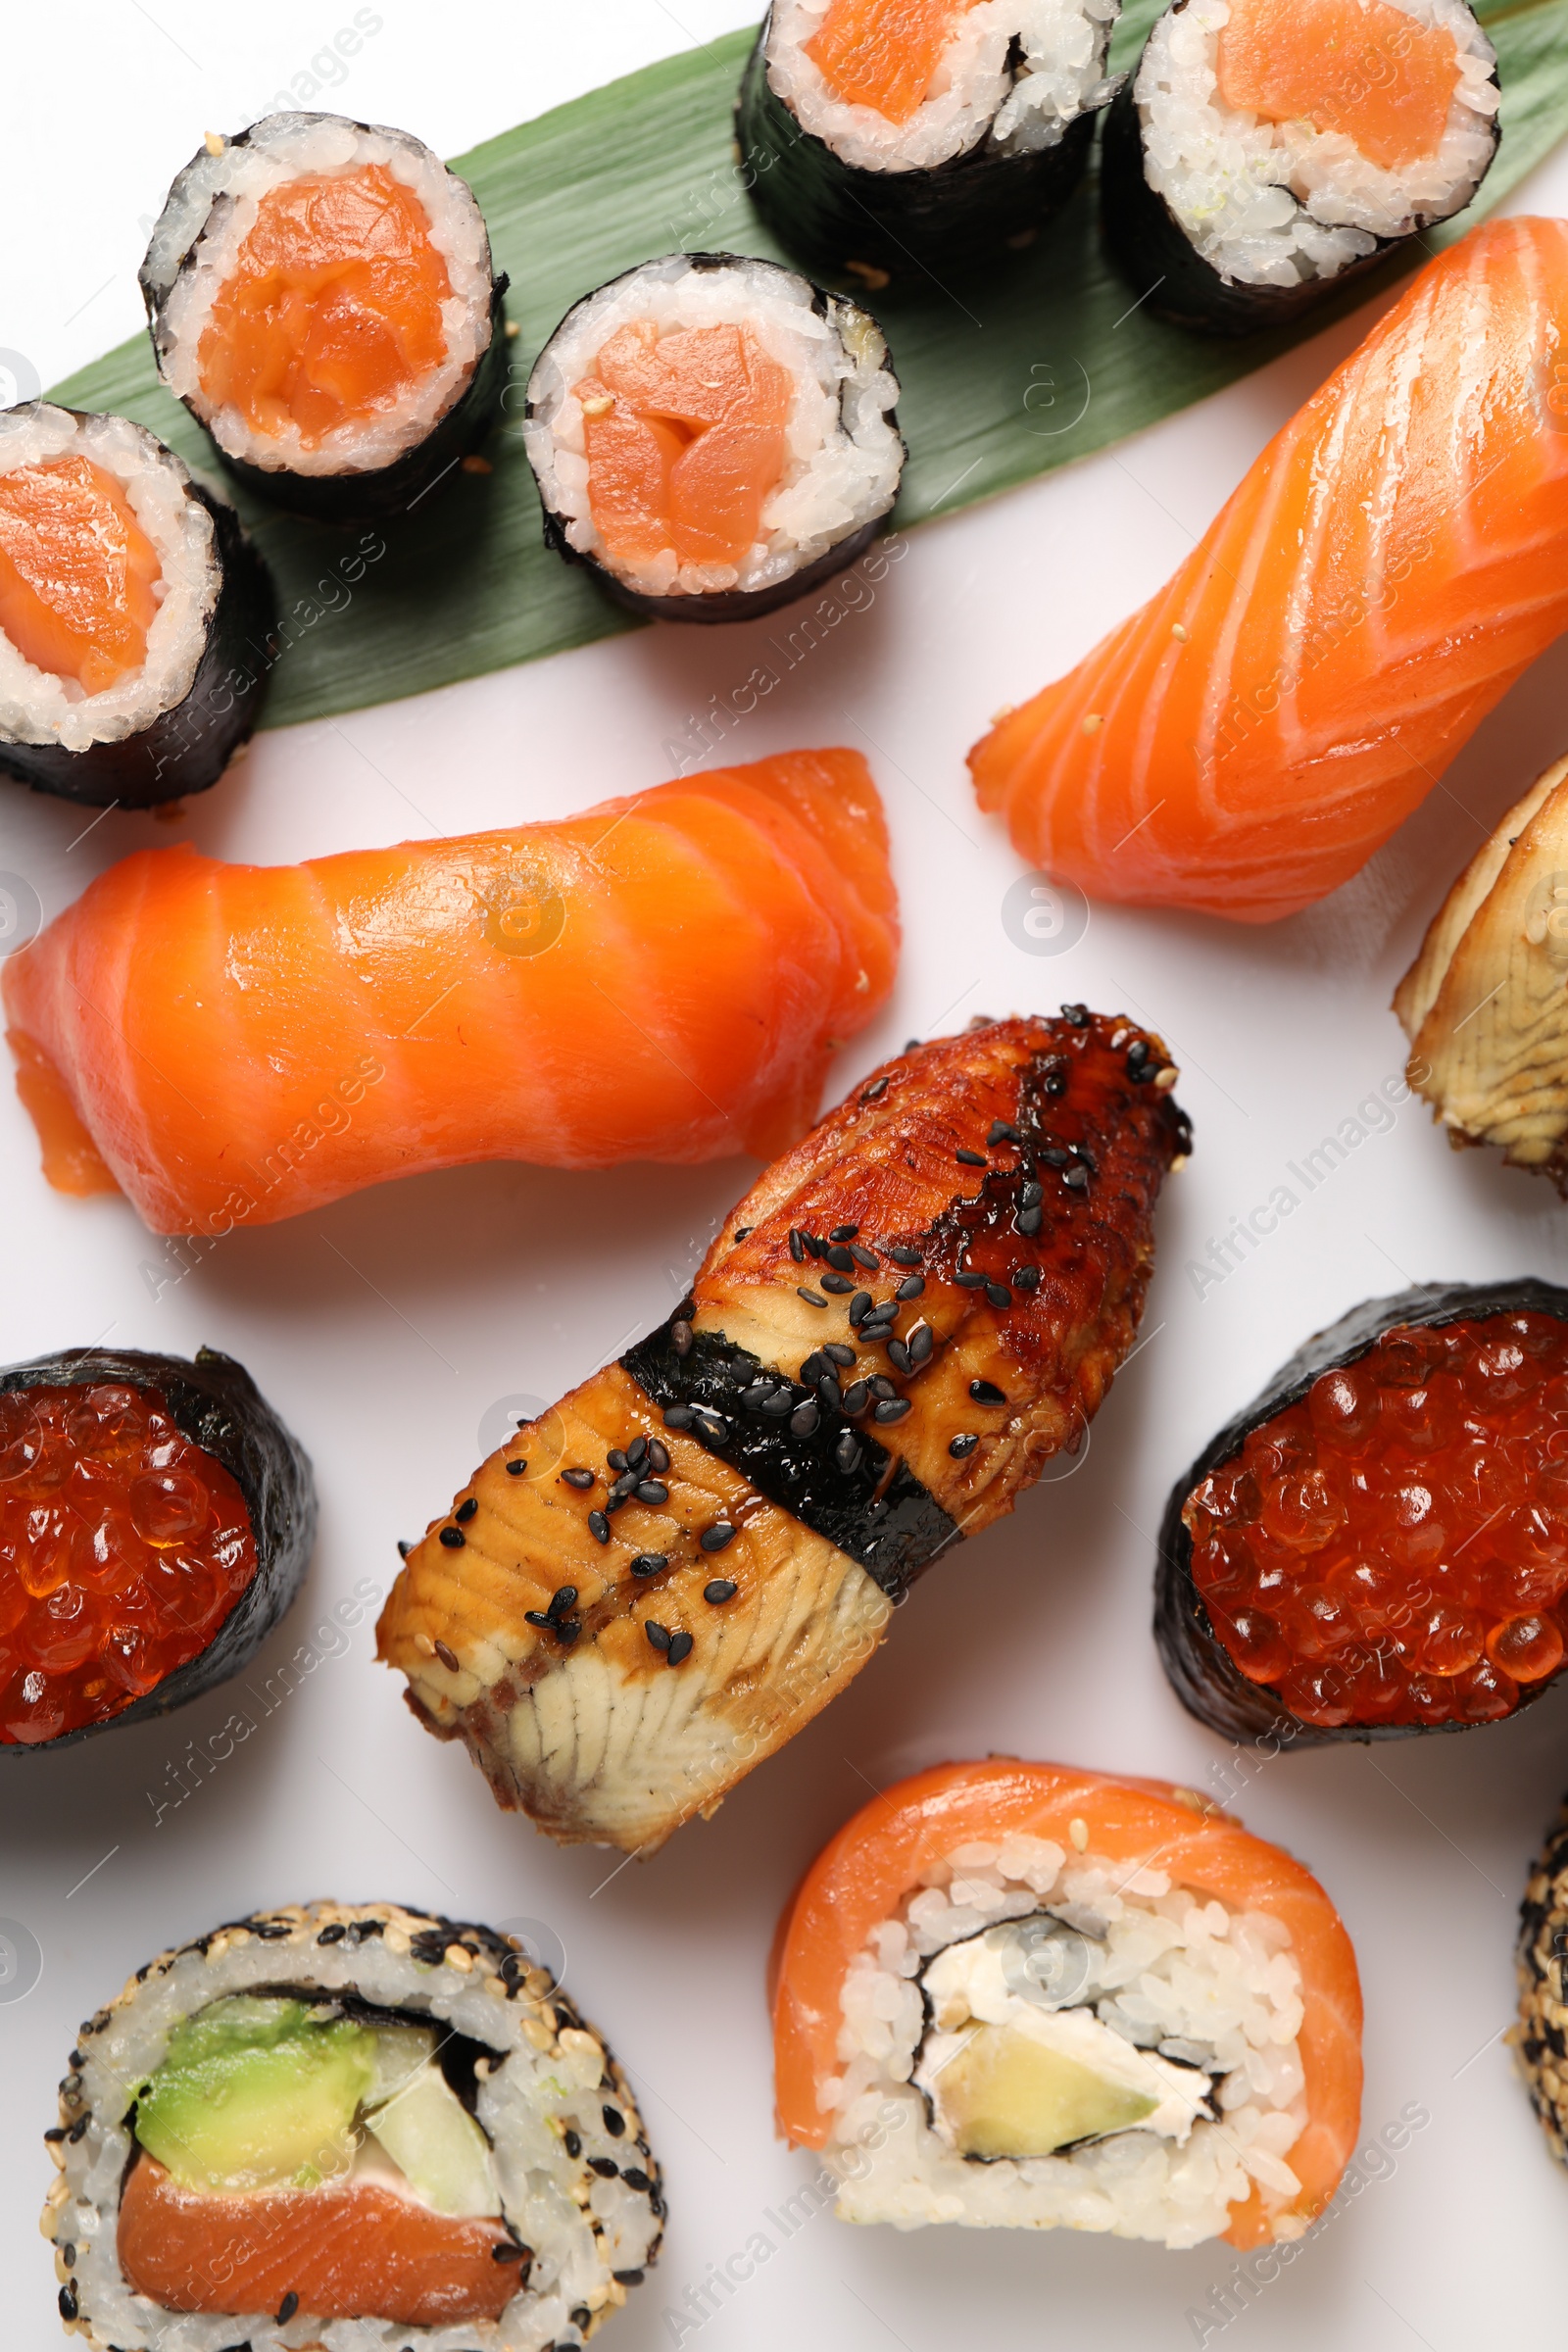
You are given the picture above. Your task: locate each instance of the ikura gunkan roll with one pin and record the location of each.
(714, 436)
(351, 2128)
(156, 1520)
(1019, 1996)
(133, 613)
(1266, 150)
(320, 295)
(895, 136)
(1378, 1545)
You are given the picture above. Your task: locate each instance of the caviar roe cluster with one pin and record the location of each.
(122, 1549)
(1394, 1548)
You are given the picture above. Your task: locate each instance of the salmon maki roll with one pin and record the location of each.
(320, 295)
(1265, 151)
(1020, 1996)
(344, 2124)
(658, 1582)
(664, 977)
(714, 436)
(1392, 562)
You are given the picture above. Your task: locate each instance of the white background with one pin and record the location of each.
(385, 1329)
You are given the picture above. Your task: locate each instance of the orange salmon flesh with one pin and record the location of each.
(332, 311)
(76, 573)
(884, 53)
(685, 436)
(1357, 67)
(348, 2250)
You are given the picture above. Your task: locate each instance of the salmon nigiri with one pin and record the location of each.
(1392, 562)
(1018, 1995)
(663, 977)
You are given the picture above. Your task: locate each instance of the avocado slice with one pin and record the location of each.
(430, 2134)
(1007, 2094)
(256, 2093)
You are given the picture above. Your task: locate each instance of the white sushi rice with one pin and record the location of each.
(843, 455)
(516, 2103)
(1271, 204)
(978, 89)
(1179, 1979)
(210, 211)
(35, 704)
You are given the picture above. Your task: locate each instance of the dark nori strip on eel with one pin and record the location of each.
(1200, 1670)
(217, 1405)
(185, 749)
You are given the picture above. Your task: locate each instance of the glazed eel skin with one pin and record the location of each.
(658, 1582)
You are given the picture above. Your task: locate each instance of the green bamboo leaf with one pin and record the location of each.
(1005, 377)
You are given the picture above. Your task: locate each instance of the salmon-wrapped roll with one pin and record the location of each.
(659, 1583)
(1017, 1995)
(664, 977)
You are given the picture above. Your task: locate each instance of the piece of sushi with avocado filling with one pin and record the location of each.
(713, 435)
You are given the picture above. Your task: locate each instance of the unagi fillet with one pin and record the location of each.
(658, 1582)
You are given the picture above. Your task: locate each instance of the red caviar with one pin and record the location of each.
(122, 1549)
(1394, 1548)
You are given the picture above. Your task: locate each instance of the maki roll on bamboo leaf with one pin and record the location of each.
(133, 615)
(156, 1522)
(1015, 1995)
(890, 138)
(1266, 151)
(1378, 1545)
(321, 296)
(714, 436)
(344, 2126)
(656, 1583)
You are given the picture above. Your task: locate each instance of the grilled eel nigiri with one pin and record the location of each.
(658, 1582)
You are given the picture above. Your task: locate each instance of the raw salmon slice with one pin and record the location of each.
(333, 309)
(1392, 562)
(664, 977)
(347, 2250)
(77, 572)
(1357, 67)
(884, 53)
(685, 439)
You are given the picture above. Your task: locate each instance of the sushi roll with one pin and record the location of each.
(1378, 1544)
(1541, 1962)
(654, 1586)
(1266, 151)
(156, 1521)
(320, 295)
(133, 615)
(714, 436)
(1019, 1996)
(890, 138)
(346, 2127)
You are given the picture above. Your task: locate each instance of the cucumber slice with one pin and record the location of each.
(431, 2137)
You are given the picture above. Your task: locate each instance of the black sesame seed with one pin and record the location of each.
(963, 1444)
(287, 2308)
(582, 1480)
(899, 1356)
(1076, 1180)
(985, 1392)
(678, 1416)
(1028, 1222)
(970, 1278)
(838, 1284)
(628, 2277)
(847, 1452)
(605, 2166)
(970, 1160)
(893, 1409)
(804, 1418)
(719, 1591)
(680, 1646)
(562, 1599)
(636, 1453)
(832, 1395)
(811, 1298)
(864, 1257)
(1031, 1195)
(573, 2144)
(567, 1630)
(815, 1243)
(713, 1426)
(875, 1091)
(779, 1403)
(67, 2300)
(654, 1492)
(880, 1386)
(538, 1617)
(657, 1456)
(614, 2120)
(466, 1510)
(1003, 1133)
(912, 1287)
(715, 1537)
(582, 2317)
(1053, 1156)
(1087, 1158)
(650, 1563)
(516, 1469)
(838, 1353)
(635, 2178)
(923, 1343)
(843, 1232)
(405, 1548)
(757, 1396)
(840, 1258)
(999, 1295)
(452, 1538)
(904, 1256)
(859, 1306)
(1078, 1014)
(813, 1367)
(1055, 1082)
(680, 1336)
(796, 1245)
(744, 1233)
(1137, 1050)
(1026, 1278)
(855, 1397)
(334, 1933)
(599, 1527)
(658, 1634)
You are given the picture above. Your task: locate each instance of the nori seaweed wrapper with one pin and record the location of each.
(186, 748)
(1199, 1668)
(217, 1405)
(912, 225)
